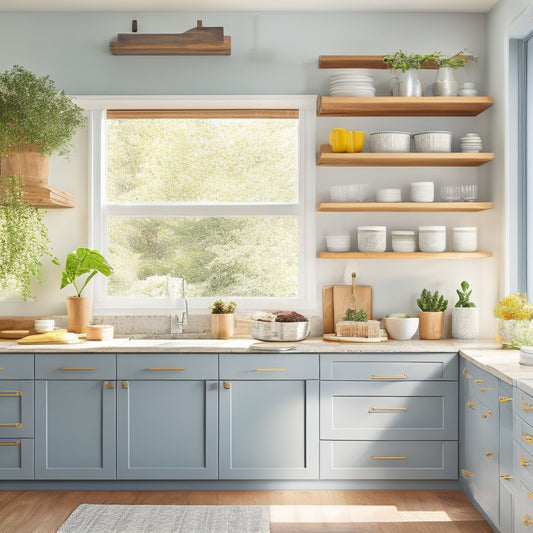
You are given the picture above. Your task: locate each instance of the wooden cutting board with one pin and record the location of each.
(336, 299)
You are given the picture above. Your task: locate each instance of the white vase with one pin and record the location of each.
(465, 323)
(445, 84)
(409, 83)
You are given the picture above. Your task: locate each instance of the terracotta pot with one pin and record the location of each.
(431, 325)
(28, 164)
(79, 311)
(222, 325)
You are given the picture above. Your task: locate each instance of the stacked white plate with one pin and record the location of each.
(338, 243)
(526, 355)
(471, 143)
(389, 195)
(422, 191)
(352, 82)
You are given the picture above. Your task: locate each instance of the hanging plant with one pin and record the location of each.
(23, 240)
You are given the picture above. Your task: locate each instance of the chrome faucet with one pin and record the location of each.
(178, 297)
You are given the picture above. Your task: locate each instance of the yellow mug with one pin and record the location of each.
(338, 138)
(355, 142)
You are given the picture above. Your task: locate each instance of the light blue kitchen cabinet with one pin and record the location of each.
(16, 416)
(506, 469)
(269, 416)
(167, 416)
(75, 416)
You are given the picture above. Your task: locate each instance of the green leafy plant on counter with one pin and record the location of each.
(464, 296)
(355, 316)
(33, 111)
(431, 303)
(23, 240)
(84, 262)
(223, 308)
(404, 62)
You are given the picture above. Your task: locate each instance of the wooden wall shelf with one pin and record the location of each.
(47, 197)
(349, 61)
(401, 106)
(404, 255)
(329, 158)
(404, 207)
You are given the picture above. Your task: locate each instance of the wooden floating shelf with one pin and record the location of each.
(349, 61)
(329, 158)
(407, 207)
(404, 255)
(402, 106)
(47, 197)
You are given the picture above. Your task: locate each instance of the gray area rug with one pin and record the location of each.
(88, 518)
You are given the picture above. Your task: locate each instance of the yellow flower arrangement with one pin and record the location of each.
(514, 307)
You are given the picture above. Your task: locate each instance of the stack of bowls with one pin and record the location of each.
(526, 355)
(468, 88)
(422, 191)
(43, 325)
(471, 143)
(352, 82)
(433, 141)
(347, 193)
(338, 243)
(389, 195)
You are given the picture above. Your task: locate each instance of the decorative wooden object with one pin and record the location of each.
(337, 298)
(400, 106)
(410, 159)
(196, 41)
(407, 207)
(79, 311)
(404, 255)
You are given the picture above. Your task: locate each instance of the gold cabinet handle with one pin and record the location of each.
(10, 393)
(529, 495)
(403, 376)
(14, 424)
(486, 415)
(489, 455)
(387, 457)
(479, 381)
(271, 370)
(14, 443)
(466, 473)
(470, 404)
(466, 373)
(227, 385)
(526, 521)
(507, 477)
(165, 368)
(78, 368)
(388, 410)
(108, 385)
(125, 384)
(1, 369)
(524, 461)
(485, 390)
(503, 399)
(527, 438)
(526, 407)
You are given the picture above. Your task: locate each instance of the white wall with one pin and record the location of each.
(277, 53)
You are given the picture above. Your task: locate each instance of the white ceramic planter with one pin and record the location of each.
(465, 323)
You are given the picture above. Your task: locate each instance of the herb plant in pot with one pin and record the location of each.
(465, 315)
(432, 307)
(36, 121)
(80, 267)
(222, 319)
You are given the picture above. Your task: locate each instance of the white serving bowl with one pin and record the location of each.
(338, 243)
(433, 141)
(390, 141)
(401, 329)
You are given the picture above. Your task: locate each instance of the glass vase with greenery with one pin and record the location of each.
(515, 326)
(23, 240)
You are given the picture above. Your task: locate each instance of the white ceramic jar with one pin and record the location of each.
(403, 241)
(464, 239)
(432, 238)
(372, 238)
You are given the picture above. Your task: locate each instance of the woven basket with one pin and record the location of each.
(348, 328)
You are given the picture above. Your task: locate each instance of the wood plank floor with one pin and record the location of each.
(290, 511)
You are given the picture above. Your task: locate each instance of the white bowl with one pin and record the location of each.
(338, 243)
(390, 141)
(433, 141)
(401, 329)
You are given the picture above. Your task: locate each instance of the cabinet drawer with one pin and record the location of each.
(16, 366)
(480, 384)
(75, 366)
(523, 433)
(389, 367)
(523, 405)
(16, 459)
(388, 411)
(167, 366)
(524, 508)
(506, 415)
(388, 460)
(16, 409)
(269, 366)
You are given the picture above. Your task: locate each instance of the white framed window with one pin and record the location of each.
(217, 190)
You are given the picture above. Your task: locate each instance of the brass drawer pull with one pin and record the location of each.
(479, 381)
(14, 443)
(526, 521)
(109, 385)
(503, 399)
(125, 384)
(490, 455)
(379, 457)
(526, 407)
(524, 461)
(78, 368)
(10, 393)
(507, 477)
(227, 385)
(14, 424)
(485, 390)
(527, 438)
(530, 495)
(466, 473)
(271, 370)
(165, 368)
(404, 376)
(466, 374)
(388, 410)
(486, 415)
(470, 404)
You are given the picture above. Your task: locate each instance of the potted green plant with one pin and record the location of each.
(222, 319)
(23, 240)
(36, 121)
(407, 67)
(445, 84)
(80, 268)
(431, 315)
(465, 315)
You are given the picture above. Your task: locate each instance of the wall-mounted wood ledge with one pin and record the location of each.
(47, 197)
